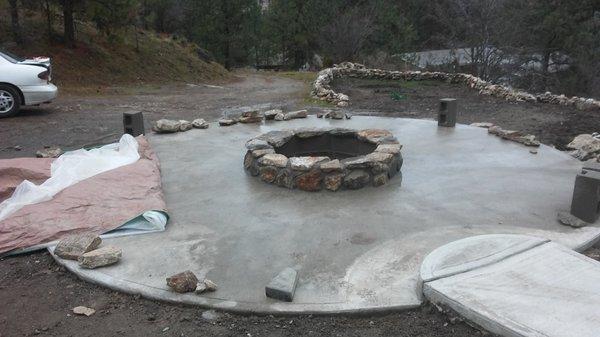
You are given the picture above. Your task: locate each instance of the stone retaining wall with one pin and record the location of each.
(379, 160)
(321, 87)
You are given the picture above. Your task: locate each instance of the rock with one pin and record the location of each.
(283, 286)
(515, 136)
(587, 146)
(210, 285)
(320, 114)
(200, 288)
(331, 166)
(183, 282)
(273, 159)
(72, 247)
(569, 219)
(184, 125)
(279, 117)
(310, 181)
(51, 152)
(296, 114)
(285, 179)
(342, 104)
(261, 152)
(356, 179)
(335, 114)
(309, 132)
(333, 182)
(166, 126)
(389, 148)
(227, 122)
(248, 120)
(269, 115)
(253, 116)
(268, 173)
(200, 123)
(305, 163)
(249, 159)
(377, 136)
(81, 310)
(276, 138)
(380, 179)
(379, 157)
(17, 148)
(348, 115)
(257, 144)
(482, 125)
(100, 257)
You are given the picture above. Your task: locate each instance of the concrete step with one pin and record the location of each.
(515, 285)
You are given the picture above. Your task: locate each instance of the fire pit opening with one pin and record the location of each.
(327, 145)
(333, 159)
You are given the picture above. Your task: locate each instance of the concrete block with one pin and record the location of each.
(586, 196)
(133, 123)
(283, 286)
(447, 112)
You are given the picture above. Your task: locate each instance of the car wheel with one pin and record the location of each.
(10, 101)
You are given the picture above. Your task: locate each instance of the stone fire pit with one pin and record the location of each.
(311, 159)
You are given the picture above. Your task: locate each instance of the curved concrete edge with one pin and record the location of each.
(474, 252)
(484, 322)
(243, 308)
(548, 290)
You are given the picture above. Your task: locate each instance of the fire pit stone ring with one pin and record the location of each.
(311, 159)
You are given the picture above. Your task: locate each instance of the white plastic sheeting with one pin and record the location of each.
(71, 168)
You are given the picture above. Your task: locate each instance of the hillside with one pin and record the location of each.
(98, 62)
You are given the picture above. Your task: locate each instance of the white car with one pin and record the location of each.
(24, 82)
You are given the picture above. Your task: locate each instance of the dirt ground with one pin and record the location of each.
(552, 124)
(72, 122)
(37, 295)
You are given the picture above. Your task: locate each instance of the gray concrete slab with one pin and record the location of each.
(354, 250)
(544, 290)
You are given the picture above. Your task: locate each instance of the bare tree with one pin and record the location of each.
(474, 25)
(346, 34)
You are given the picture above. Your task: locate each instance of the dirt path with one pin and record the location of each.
(72, 122)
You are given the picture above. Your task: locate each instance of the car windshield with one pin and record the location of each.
(11, 57)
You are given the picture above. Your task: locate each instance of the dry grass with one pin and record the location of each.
(98, 64)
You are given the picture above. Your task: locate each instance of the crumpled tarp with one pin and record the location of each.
(98, 204)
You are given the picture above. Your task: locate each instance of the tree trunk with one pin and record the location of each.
(545, 68)
(69, 23)
(16, 26)
(48, 10)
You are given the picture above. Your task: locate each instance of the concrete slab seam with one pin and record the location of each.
(524, 249)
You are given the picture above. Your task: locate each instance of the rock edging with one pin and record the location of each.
(321, 87)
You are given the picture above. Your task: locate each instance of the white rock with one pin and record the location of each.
(200, 123)
(81, 310)
(166, 126)
(184, 125)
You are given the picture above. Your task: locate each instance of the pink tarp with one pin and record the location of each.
(98, 204)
